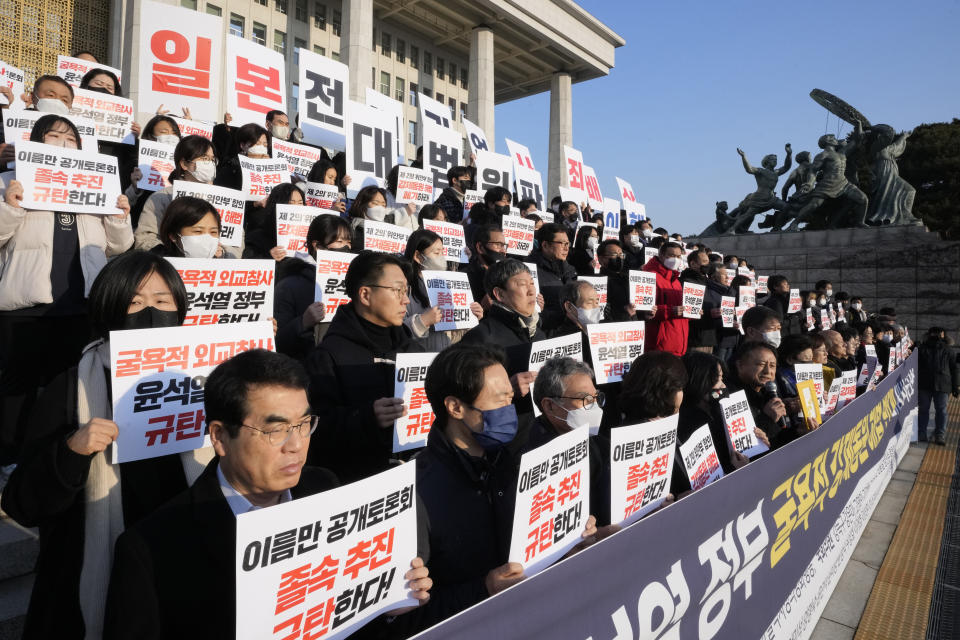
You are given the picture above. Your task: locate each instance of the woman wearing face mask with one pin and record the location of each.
(49, 261)
(325, 172)
(425, 253)
(190, 229)
(431, 212)
(496, 204)
(194, 161)
(857, 314)
(260, 234)
(584, 254)
(251, 141)
(162, 129)
(631, 241)
(300, 323)
(63, 482)
(404, 215)
(104, 81)
(370, 204)
(809, 302)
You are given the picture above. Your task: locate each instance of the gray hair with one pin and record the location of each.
(552, 377)
(573, 291)
(499, 273)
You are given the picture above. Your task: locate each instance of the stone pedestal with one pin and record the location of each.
(907, 268)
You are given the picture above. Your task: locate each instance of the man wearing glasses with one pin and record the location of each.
(351, 372)
(553, 271)
(755, 364)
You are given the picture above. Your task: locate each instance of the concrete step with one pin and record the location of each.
(14, 597)
(19, 547)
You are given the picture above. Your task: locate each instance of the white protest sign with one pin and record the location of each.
(611, 219)
(442, 148)
(494, 170)
(451, 235)
(229, 203)
(748, 296)
(520, 154)
(293, 223)
(194, 128)
(546, 216)
(529, 185)
(414, 186)
(67, 180)
(73, 69)
(728, 312)
(155, 161)
(370, 147)
(310, 565)
(635, 210)
(740, 425)
(157, 378)
(433, 112)
(553, 501)
(319, 195)
(573, 174)
(330, 290)
(261, 176)
(224, 291)
(614, 346)
(762, 285)
(385, 237)
(411, 430)
(867, 370)
(643, 289)
(740, 311)
(808, 314)
(518, 234)
(112, 115)
(570, 346)
(641, 464)
(811, 371)
(299, 157)
(571, 195)
(693, 299)
(450, 290)
(255, 81)
(180, 60)
(470, 198)
(17, 126)
(591, 187)
(322, 101)
(795, 303)
(833, 396)
(476, 137)
(395, 108)
(12, 78)
(825, 323)
(700, 458)
(848, 388)
(533, 274)
(600, 284)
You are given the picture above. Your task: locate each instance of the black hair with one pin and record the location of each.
(51, 78)
(525, 204)
(602, 247)
(273, 113)
(495, 195)
(248, 134)
(117, 283)
(758, 316)
(822, 284)
(393, 177)
(650, 387)
(660, 231)
(670, 245)
(775, 281)
(534, 218)
(420, 240)
(366, 268)
(189, 149)
(457, 171)
(458, 371)
(749, 347)
(45, 123)
(147, 132)
(360, 204)
(498, 274)
(481, 236)
(583, 234)
(847, 332)
(792, 345)
(93, 73)
(548, 231)
(702, 375)
(430, 212)
(184, 211)
(319, 170)
(227, 388)
(326, 229)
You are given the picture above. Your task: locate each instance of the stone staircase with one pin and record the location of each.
(18, 556)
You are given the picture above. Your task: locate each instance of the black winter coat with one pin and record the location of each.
(451, 204)
(293, 295)
(502, 327)
(937, 367)
(553, 276)
(789, 322)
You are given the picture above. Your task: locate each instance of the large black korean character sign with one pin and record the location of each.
(530, 190)
(330, 93)
(382, 159)
(492, 177)
(442, 159)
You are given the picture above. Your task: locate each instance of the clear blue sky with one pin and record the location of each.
(696, 80)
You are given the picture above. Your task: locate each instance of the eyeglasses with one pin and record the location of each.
(588, 400)
(212, 159)
(501, 245)
(562, 243)
(279, 436)
(401, 292)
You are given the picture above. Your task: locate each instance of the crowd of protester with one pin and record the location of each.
(125, 548)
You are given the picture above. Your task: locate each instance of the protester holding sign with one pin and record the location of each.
(779, 301)
(351, 371)
(761, 324)
(190, 229)
(252, 142)
(260, 233)
(488, 248)
(755, 364)
(553, 270)
(668, 329)
(451, 198)
(371, 204)
(325, 172)
(195, 161)
(162, 130)
(584, 256)
(620, 306)
(796, 349)
(63, 482)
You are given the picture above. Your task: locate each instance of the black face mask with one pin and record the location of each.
(465, 185)
(493, 257)
(615, 265)
(99, 90)
(151, 318)
(502, 209)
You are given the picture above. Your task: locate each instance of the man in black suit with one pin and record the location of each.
(174, 572)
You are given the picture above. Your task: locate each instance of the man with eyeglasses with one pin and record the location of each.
(553, 271)
(351, 372)
(755, 364)
(174, 576)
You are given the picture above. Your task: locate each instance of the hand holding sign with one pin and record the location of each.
(387, 410)
(93, 437)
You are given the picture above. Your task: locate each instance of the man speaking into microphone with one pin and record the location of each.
(755, 365)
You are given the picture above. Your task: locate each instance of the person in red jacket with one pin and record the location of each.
(667, 331)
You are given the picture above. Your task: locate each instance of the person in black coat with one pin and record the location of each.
(939, 375)
(779, 301)
(451, 198)
(755, 364)
(583, 257)
(351, 372)
(260, 424)
(553, 270)
(487, 248)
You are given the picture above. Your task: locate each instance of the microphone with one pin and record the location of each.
(771, 389)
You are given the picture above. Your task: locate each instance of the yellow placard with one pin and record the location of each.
(807, 391)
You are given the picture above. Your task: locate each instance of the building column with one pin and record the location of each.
(561, 132)
(480, 104)
(356, 45)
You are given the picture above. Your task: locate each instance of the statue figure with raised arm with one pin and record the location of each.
(764, 198)
(831, 164)
(802, 179)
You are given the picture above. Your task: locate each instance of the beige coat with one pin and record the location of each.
(26, 252)
(148, 226)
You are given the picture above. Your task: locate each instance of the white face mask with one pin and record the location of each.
(829, 293)
(52, 105)
(63, 142)
(647, 233)
(168, 138)
(377, 213)
(822, 301)
(672, 263)
(856, 306)
(202, 246)
(634, 240)
(280, 132)
(593, 243)
(772, 338)
(434, 263)
(589, 417)
(204, 171)
(257, 150)
(589, 316)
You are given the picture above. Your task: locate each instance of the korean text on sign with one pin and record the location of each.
(643, 289)
(322, 196)
(331, 271)
(700, 458)
(693, 299)
(728, 311)
(324, 565)
(553, 501)
(740, 425)
(113, 115)
(384, 237)
(641, 463)
(518, 233)
(614, 346)
(293, 223)
(226, 291)
(451, 235)
(299, 157)
(322, 99)
(414, 186)
(155, 164)
(229, 203)
(73, 69)
(157, 378)
(569, 346)
(261, 176)
(12, 78)
(68, 180)
(411, 430)
(450, 290)
(255, 80)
